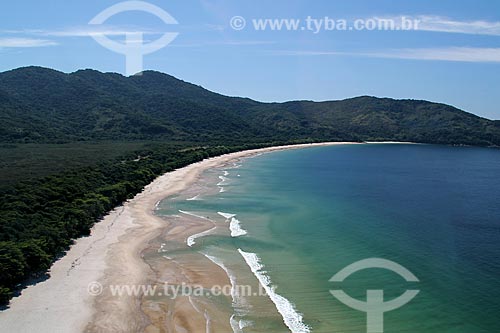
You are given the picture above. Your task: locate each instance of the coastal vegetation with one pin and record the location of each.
(40, 218)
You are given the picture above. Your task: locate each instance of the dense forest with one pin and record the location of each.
(75, 146)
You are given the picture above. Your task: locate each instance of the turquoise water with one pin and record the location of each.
(309, 213)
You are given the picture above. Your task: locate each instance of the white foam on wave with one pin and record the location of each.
(162, 248)
(227, 216)
(208, 319)
(193, 305)
(193, 214)
(234, 224)
(236, 229)
(245, 323)
(253, 155)
(238, 301)
(223, 181)
(235, 325)
(291, 318)
(190, 241)
(196, 197)
(239, 325)
(208, 325)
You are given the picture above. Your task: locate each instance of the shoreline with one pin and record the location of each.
(113, 255)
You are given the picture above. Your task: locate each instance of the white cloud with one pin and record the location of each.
(309, 53)
(85, 31)
(460, 54)
(95, 31)
(226, 43)
(445, 24)
(215, 27)
(463, 54)
(25, 42)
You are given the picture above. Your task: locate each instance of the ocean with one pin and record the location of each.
(287, 221)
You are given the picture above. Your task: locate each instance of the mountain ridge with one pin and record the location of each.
(41, 105)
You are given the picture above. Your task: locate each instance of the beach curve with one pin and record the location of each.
(112, 255)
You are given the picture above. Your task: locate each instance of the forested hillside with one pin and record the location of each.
(42, 105)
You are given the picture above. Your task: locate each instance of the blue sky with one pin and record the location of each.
(454, 56)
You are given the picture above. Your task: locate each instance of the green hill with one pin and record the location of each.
(40, 105)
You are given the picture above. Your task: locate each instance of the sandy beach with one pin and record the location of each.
(76, 297)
